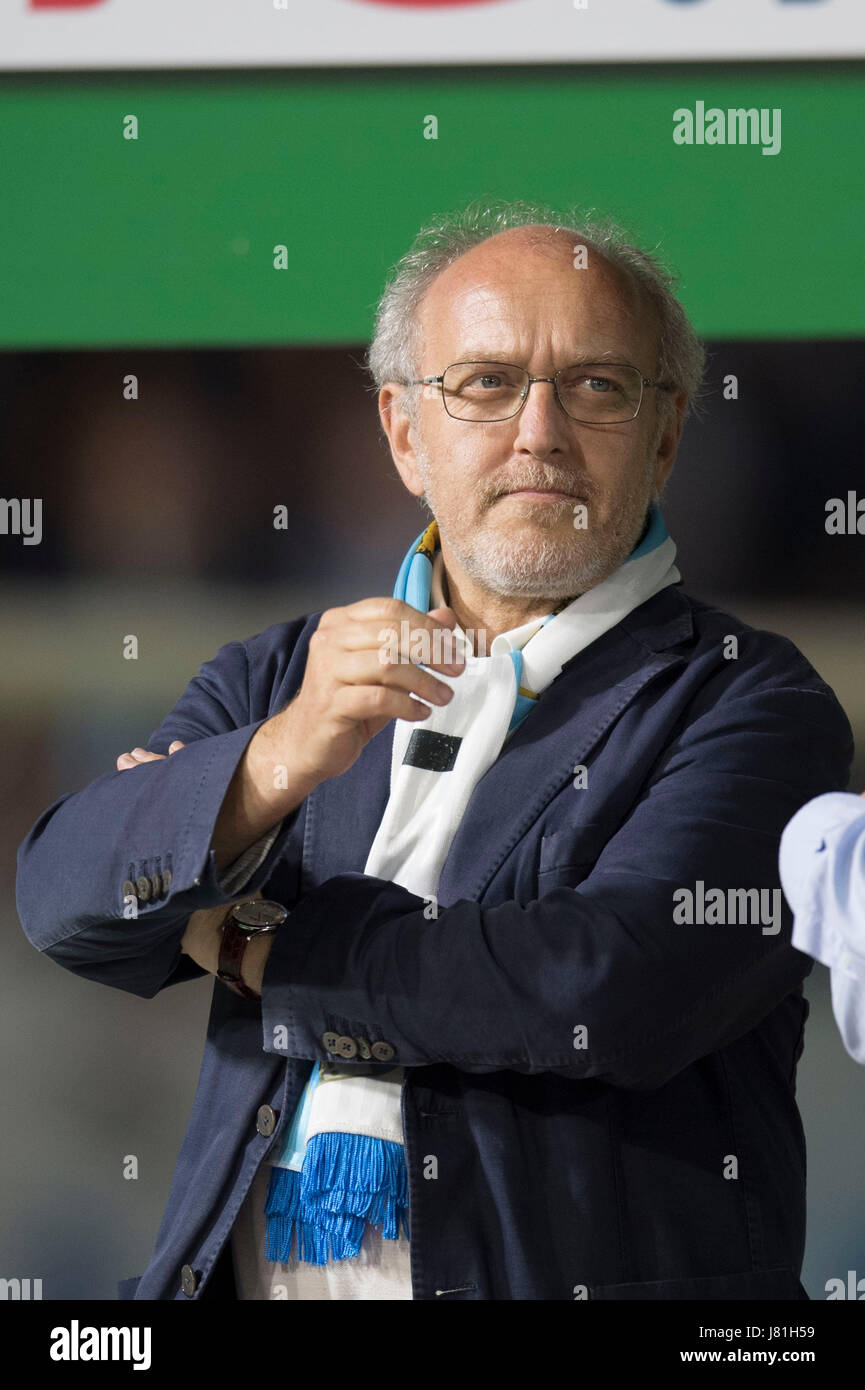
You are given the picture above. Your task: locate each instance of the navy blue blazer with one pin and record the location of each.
(658, 1154)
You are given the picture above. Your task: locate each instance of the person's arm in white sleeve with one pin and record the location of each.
(822, 867)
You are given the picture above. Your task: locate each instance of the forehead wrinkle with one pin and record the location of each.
(610, 337)
(603, 299)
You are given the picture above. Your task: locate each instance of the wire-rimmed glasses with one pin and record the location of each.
(594, 393)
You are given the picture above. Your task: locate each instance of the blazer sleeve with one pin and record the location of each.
(75, 859)
(509, 986)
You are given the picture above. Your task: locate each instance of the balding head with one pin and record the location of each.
(507, 488)
(461, 310)
(394, 350)
(518, 247)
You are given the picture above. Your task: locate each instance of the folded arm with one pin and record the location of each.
(598, 980)
(194, 814)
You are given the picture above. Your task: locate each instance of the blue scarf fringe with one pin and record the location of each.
(346, 1181)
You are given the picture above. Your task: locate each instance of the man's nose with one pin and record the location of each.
(541, 423)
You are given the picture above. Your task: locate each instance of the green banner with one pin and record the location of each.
(168, 238)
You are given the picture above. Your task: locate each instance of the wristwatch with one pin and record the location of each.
(258, 917)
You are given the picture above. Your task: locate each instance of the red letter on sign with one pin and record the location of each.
(62, 4)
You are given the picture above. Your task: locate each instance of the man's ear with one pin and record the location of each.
(668, 440)
(401, 434)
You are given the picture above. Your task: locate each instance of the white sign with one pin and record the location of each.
(81, 34)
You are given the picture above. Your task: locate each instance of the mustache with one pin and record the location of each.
(539, 481)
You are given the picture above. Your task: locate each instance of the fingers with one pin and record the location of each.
(137, 756)
(364, 668)
(394, 627)
(375, 706)
(414, 639)
(141, 755)
(368, 663)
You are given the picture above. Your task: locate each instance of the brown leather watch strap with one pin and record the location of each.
(231, 952)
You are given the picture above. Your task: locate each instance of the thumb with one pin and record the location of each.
(173, 747)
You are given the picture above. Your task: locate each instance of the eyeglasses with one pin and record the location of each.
(595, 393)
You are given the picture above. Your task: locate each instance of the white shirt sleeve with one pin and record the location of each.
(822, 868)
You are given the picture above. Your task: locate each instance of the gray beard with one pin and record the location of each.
(541, 566)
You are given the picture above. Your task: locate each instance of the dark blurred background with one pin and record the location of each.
(158, 522)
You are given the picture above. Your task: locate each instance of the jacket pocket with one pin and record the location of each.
(760, 1283)
(127, 1287)
(572, 851)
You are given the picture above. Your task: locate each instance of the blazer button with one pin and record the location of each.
(329, 1041)
(128, 889)
(266, 1120)
(346, 1047)
(363, 1048)
(156, 885)
(166, 880)
(142, 886)
(188, 1280)
(382, 1051)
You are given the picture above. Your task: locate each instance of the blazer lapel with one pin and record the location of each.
(343, 813)
(573, 714)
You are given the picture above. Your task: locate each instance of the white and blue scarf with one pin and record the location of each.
(342, 1164)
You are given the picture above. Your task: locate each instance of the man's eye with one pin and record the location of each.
(484, 383)
(603, 381)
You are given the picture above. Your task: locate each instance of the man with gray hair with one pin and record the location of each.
(462, 1044)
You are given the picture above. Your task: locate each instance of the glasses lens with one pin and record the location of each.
(483, 390)
(600, 392)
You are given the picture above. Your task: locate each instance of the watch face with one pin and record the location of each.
(259, 915)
